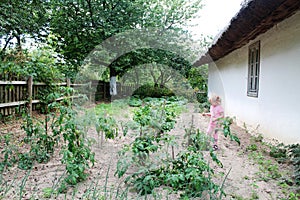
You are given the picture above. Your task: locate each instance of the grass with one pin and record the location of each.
(115, 108)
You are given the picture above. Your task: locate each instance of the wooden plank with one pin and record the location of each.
(1, 94)
(44, 84)
(11, 104)
(13, 82)
(80, 84)
(17, 103)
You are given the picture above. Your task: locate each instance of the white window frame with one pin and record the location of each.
(253, 69)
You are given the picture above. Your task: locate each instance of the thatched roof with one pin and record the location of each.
(255, 18)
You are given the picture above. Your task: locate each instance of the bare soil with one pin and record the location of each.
(245, 179)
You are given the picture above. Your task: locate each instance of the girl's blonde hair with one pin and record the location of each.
(215, 98)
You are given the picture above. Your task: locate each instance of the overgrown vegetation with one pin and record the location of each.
(188, 173)
(149, 157)
(57, 130)
(259, 151)
(154, 91)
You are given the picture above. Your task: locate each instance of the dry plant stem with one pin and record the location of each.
(102, 138)
(173, 154)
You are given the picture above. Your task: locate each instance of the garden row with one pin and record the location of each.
(65, 130)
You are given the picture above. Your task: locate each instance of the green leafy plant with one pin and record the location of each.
(25, 161)
(279, 152)
(77, 154)
(186, 173)
(226, 122)
(142, 146)
(294, 153)
(10, 151)
(252, 147)
(135, 101)
(61, 122)
(196, 138)
(150, 90)
(48, 192)
(107, 127)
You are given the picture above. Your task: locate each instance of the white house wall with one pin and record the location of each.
(276, 111)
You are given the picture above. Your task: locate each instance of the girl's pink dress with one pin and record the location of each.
(216, 112)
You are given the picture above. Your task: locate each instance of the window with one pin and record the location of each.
(253, 69)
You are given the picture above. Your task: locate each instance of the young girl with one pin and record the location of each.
(216, 112)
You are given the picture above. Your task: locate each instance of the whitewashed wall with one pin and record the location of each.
(276, 111)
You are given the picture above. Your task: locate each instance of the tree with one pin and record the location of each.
(19, 19)
(81, 25)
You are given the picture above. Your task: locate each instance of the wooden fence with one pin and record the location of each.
(17, 94)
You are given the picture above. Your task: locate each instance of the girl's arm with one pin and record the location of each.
(206, 114)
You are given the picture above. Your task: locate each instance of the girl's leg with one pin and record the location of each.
(215, 139)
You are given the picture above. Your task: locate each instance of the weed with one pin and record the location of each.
(9, 152)
(279, 152)
(254, 195)
(294, 153)
(48, 192)
(252, 147)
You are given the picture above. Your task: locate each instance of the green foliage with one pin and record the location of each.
(252, 147)
(9, 152)
(135, 101)
(21, 19)
(294, 153)
(188, 172)
(142, 146)
(157, 115)
(107, 126)
(198, 77)
(150, 90)
(25, 161)
(114, 108)
(163, 65)
(226, 122)
(81, 26)
(41, 64)
(279, 152)
(43, 136)
(267, 169)
(197, 139)
(77, 154)
(48, 192)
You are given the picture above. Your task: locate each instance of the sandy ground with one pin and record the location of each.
(243, 180)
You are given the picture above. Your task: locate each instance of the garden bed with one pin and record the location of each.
(248, 171)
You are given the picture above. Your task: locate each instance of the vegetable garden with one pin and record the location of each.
(148, 145)
(117, 151)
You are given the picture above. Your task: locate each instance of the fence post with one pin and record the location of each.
(29, 89)
(90, 91)
(69, 85)
(68, 82)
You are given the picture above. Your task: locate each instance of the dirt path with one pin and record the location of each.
(245, 180)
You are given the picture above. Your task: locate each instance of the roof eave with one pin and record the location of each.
(253, 19)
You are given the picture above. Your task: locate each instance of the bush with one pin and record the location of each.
(150, 90)
(294, 153)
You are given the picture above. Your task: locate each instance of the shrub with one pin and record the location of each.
(294, 152)
(150, 90)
